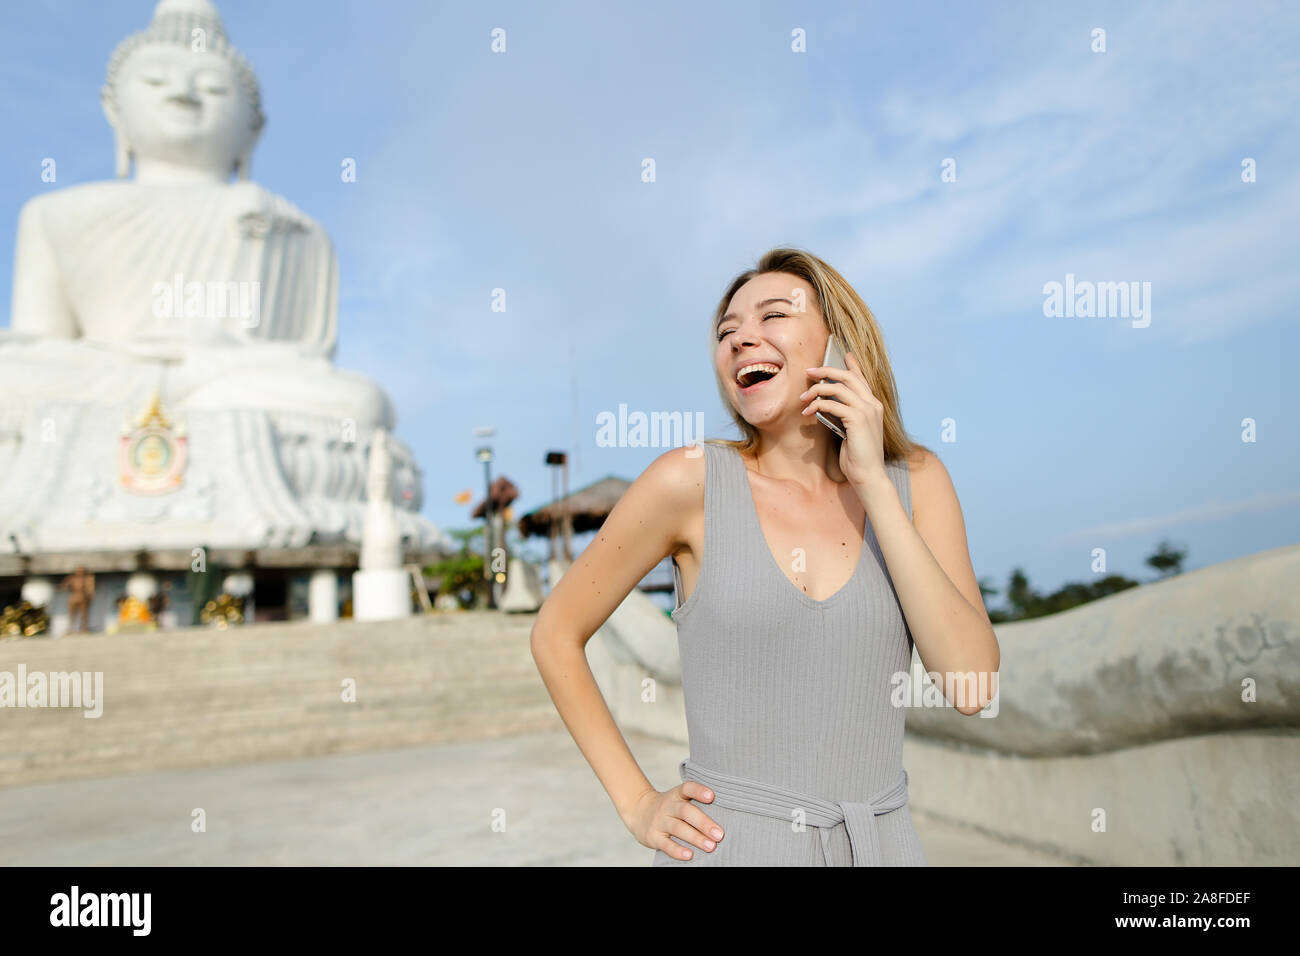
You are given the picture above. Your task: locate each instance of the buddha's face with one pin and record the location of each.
(182, 107)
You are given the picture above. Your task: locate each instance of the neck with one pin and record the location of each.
(806, 455)
(155, 171)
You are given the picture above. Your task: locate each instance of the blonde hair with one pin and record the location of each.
(850, 320)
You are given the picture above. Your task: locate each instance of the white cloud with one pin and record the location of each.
(1215, 510)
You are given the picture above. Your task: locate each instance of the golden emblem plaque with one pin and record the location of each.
(153, 452)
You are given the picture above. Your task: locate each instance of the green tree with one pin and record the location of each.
(1023, 602)
(1020, 596)
(1167, 559)
(461, 575)
(1026, 603)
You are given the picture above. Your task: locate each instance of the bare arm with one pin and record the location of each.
(929, 562)
(39, 304)
(644, 527)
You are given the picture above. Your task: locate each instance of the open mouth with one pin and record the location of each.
(755, 376)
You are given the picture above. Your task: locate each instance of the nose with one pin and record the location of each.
(743, 335)
(184, 92)
(742, 340)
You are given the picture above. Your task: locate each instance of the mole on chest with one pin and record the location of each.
(819, 559)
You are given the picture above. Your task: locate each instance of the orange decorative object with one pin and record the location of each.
(134, 611)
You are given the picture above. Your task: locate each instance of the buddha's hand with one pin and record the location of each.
(655, 815)
(175, 344)
(160, 347)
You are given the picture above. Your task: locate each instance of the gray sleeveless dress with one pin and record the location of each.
(787, 698)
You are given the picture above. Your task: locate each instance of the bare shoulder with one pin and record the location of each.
(650, 521)
(921, 462)
(929, 479)
(68, 200)
(675, 483)
(678, 466)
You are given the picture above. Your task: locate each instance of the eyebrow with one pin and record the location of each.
(759, 305)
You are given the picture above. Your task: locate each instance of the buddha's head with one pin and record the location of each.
(179, 93)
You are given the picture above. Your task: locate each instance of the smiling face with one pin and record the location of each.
(183, 107)
(772, 322)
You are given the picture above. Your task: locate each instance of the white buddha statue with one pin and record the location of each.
(381, 589)
(380, 541)
(220, 297)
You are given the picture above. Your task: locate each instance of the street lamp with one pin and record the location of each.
(559, 516)
(485, 455)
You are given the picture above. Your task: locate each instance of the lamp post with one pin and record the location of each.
(558, 515)
(485, 456)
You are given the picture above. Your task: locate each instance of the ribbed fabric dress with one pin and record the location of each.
(787, 698)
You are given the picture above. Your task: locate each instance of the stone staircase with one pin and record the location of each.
(195, 697)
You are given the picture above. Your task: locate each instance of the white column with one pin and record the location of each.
(41, 592)
(142, 586)
(323, 596)
(381, 595)
(38, 592)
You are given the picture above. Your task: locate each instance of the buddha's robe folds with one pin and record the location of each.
(228, 286)
(90, 261)
(105, 316)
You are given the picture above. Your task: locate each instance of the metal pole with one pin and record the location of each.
(488, 535)
(485, 455)
(555, 495)
(566, 520)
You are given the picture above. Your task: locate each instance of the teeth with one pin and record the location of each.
(767, 366)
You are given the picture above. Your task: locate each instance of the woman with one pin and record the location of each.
(789, 657)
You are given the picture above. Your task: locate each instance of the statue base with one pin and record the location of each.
(381, 595)
(523, 592)
(74, 477)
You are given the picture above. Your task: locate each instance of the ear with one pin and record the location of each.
(121, 156)
(121, 148)
(244, 165)
(106, 101)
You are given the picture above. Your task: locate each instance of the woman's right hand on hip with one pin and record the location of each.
(658, 814)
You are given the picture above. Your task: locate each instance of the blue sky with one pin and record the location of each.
(522, 171)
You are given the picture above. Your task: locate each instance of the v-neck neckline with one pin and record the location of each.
(771, 558)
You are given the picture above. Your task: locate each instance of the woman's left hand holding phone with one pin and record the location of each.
(862, 452)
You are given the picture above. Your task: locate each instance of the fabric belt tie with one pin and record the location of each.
(753, 796)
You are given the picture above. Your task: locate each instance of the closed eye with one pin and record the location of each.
(723, 335)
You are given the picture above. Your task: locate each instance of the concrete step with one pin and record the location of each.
(197, 697)
(177, 748)
(228, 743)
(41, 729)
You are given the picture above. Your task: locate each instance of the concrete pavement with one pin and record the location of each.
(430, 805)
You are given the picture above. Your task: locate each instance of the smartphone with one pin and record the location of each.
(834, 359)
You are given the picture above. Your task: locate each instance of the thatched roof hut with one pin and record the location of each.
(502, 492)
(586, 509)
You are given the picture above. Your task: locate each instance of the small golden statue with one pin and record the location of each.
(133, 616)
(224, 611)
(134, 613)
